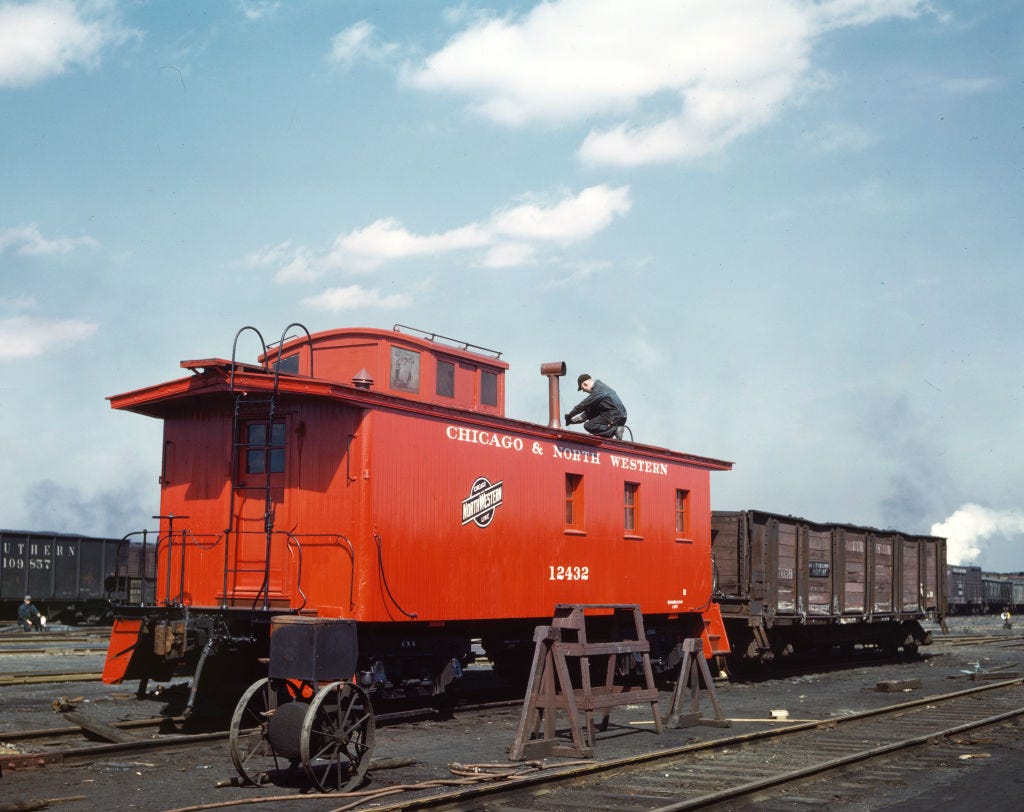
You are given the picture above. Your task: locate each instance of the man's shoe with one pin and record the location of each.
(618, 432)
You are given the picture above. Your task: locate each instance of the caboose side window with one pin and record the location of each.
(682, 512)
(631, 499)
(445, 378)
(289, 365)
(488, 388)
(574, 501)
(259, 453)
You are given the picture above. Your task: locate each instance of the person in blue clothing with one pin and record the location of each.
(28, 616)
(601, 411)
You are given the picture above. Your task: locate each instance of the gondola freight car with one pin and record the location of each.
(965, 596)
(373, 475)
(72, 579)
(997, 592)
(786, 584)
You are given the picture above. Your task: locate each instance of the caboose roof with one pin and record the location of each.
(361, 366)
(424, 367)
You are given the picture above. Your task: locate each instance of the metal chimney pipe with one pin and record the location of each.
(553, 371)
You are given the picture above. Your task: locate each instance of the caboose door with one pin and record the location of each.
(259, 550)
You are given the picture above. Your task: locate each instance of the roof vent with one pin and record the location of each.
(362, 379)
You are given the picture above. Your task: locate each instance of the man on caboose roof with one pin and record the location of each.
(602, 409)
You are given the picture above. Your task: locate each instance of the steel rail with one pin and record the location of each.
(835, 763)
(66, 732)
(35, 679)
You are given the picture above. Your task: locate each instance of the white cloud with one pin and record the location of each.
(16, 303)
(259, 9)
(832, 138)
(576, 272)
(355, 297)
(842, 13)
(971, 528)
(509, 255)
(510, 237)
(683, 79)
(357, 42)
(569, 220)
(28, 241)
(39, 40)
(367, 248)
(972, 86)
(27, 337)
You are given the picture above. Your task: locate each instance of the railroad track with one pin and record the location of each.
(78, 644)
(978, 639)
(726, 770)
(31, 678)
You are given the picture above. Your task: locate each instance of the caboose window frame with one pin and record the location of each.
(258, 454)
(682, 514)
(631, 509)
(574, 503)
(488, 388)
(444, 384)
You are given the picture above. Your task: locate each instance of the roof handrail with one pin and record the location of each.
(455, 342)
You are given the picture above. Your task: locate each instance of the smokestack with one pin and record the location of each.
(553, 371)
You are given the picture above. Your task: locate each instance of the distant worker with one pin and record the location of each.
(28, 616)
(1007, 618)
(602, 410)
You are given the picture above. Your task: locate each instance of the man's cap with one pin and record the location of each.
(580, 380)
(28, 597)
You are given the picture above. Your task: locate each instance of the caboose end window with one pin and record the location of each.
(574, 502)
(259, 454)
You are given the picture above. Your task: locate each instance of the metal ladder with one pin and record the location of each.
(247, 408)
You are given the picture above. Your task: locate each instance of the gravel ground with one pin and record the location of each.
(163, 781)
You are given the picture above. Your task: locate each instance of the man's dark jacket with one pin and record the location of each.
(602, 401)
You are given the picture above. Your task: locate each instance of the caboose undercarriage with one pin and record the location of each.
(224, 651)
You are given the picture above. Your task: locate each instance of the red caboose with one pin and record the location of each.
(372, 475)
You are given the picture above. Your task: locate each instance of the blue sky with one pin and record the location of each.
(788, 234)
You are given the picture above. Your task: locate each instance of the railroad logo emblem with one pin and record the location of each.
(484, 498)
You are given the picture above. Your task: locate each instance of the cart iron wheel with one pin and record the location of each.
(251, 750)
(338, 735)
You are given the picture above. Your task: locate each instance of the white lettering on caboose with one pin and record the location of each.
(631, 464)
(467, 435)
(508, 442)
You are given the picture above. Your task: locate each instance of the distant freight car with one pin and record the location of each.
(72, 579)
(997, 591)
(786, 584)
(964, 590)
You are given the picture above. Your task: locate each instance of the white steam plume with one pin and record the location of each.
(971, 526)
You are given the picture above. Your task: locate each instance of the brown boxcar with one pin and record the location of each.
(372, 475)
(786, 584)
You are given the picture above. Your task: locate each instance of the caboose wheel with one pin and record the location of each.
(338, 735)
(251, 750)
